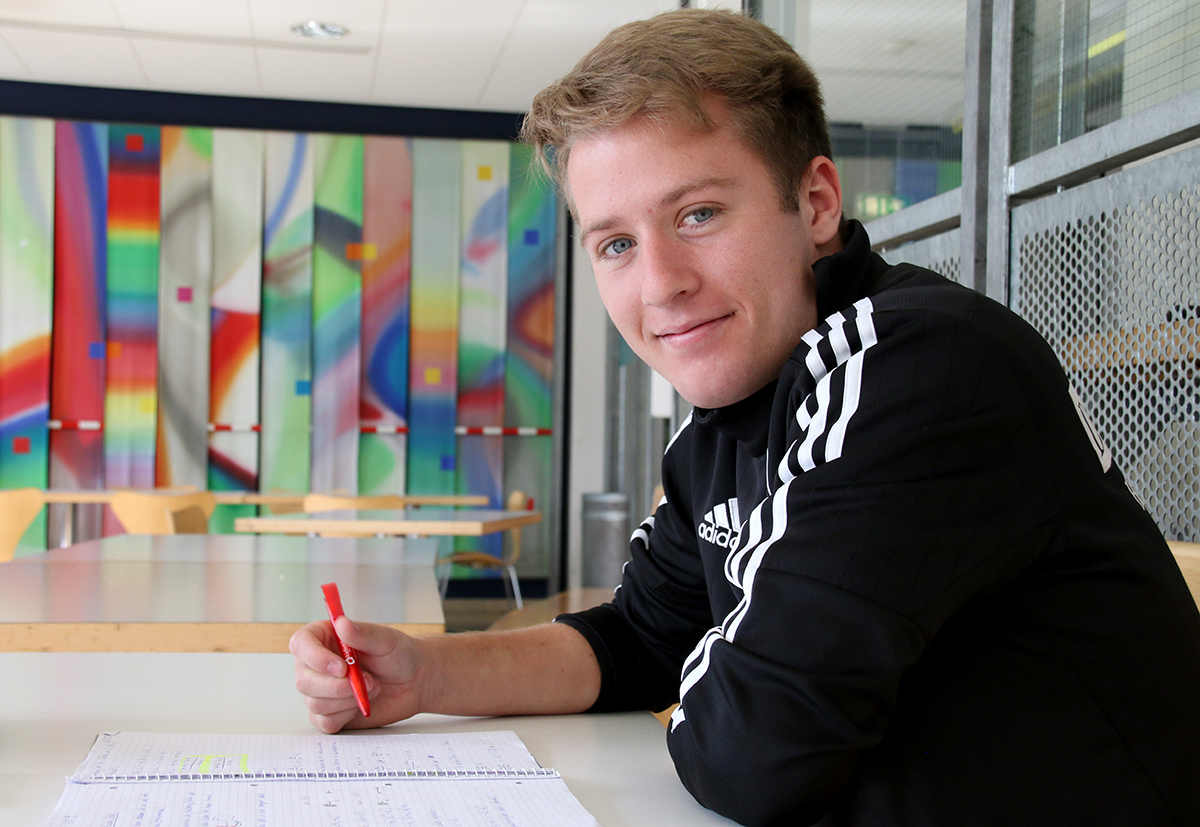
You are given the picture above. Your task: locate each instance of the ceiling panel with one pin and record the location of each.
(68, 12)
(211, 18)
(227, 70)
(550, 38)
(335, 77)
(64, 57)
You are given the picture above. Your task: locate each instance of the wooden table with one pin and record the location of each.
(209, 592)
(56, 703)
(424, 522)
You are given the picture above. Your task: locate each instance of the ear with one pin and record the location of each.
(821, 199)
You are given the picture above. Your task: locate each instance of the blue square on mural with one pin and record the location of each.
(303, 387)
(96, 350)
(531, 238)
(447, 462)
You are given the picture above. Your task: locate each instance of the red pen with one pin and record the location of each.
(333, 602)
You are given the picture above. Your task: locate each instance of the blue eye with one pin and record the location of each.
(618, 246)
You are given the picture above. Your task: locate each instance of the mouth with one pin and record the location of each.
(690, 329)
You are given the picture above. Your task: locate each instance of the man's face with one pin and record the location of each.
(705, 275)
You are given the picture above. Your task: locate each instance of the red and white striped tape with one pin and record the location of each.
(242, 427)
(75, 425)
(496, 430)
(383, 429)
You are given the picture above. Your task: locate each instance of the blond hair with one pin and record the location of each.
(665, 68)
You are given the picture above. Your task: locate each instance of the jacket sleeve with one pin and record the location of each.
(660, 609)
(902, 469)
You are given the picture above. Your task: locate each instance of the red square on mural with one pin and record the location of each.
(184, 294)
(21, 445)
(134, 143)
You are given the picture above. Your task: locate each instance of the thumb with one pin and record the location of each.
(366, 638)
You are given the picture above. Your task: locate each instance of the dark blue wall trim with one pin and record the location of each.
(85, 103)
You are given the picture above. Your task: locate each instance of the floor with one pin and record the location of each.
(466, 614)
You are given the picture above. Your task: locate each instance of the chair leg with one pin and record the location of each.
(516, 586)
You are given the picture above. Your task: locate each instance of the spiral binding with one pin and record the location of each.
(388, 775)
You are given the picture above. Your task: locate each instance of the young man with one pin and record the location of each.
(895, 578)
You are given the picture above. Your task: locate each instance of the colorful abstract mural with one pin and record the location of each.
(26, 304)
(246, 310)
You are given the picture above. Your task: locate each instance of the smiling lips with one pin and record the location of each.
(679, 333)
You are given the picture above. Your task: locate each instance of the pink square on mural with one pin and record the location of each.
(21, 445)
(134, 143)
(184, 294)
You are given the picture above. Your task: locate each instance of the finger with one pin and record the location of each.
(368, 638)
(315, 647)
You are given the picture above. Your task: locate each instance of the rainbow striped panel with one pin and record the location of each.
(80, 261)
(130, 405)
(236, 309)
(386, 268)
(433, 334)
(185, 284)
(286, 403)
(337, 310)
(482, 326)
(529, 371)
(26, 307)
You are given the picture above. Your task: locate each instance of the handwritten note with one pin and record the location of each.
(155, 780)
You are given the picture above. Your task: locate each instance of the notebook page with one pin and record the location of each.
(146, 755)
(538, 802)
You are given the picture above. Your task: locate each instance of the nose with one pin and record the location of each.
(668, 272)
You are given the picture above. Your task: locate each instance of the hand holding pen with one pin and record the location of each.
(333, 602)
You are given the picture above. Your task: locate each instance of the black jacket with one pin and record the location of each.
(905, 584)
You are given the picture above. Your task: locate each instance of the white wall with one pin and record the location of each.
(586, 410)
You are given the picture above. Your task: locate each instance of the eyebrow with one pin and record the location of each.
(667, 200)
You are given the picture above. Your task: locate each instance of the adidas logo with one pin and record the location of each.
(722, 525)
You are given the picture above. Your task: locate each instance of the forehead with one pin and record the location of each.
(644, 162)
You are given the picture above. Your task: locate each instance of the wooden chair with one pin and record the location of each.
(349, 502)
(190, 519)
(1187, 555)
(18, 507)
(145, 512)
(517, 501)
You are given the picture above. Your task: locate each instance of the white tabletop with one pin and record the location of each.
(209, 592)
(54, 704)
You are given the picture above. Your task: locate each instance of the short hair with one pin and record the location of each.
(665, 68)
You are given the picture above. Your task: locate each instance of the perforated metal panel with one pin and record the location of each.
(1109, 273)
(940, 253)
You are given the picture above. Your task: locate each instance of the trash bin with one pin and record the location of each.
(605, 539)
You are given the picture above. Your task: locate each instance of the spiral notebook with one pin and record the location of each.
(138, 779)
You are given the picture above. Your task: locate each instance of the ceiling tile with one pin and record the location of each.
(549, 40)
(90, 60)
(68, 12)
(228, 70)
(312, 75)
(212, 18)
(11, 66)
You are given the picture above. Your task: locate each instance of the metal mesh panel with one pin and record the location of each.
(941, 253)
(1080, 64)
(1109, 273)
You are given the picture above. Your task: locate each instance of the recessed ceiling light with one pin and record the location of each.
(320, 31)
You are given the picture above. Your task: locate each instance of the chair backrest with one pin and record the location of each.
(18, 507)
(348, 502)
(517, 501)
(190, 519)
(145, 512)
(1187, 556)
